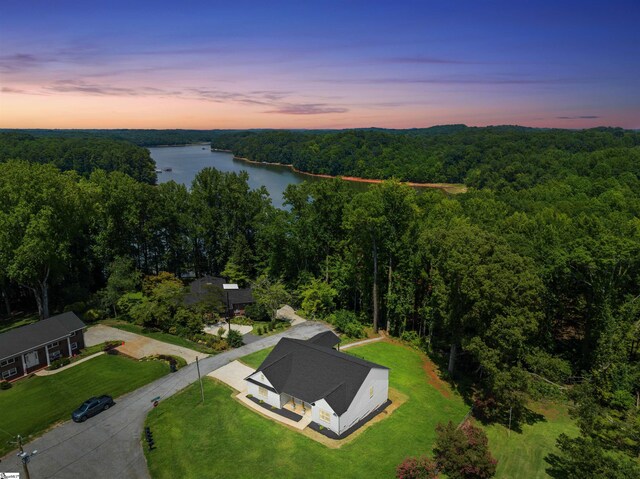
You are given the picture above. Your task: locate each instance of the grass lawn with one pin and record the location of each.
(33, 404)
(222, 438)
(159, 335)
(255, 359)
(17, 321)
(522, 454)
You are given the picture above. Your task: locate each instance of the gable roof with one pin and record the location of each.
(37, 334)
(201, 286)
(310, 372)
(328, 339)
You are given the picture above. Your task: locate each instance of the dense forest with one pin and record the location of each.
(82, 155)
(527, 286)
(494, 157)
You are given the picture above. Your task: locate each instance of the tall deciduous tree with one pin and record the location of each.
(39, 218)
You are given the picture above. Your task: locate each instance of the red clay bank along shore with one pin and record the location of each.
(447, 187)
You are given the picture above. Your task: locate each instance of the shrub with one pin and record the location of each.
(259, 331)
(463, 453)
(220, 332)
(411, 337)
(5, 385)
(220, 346)
(235, 339)
(347, 323)
(58, 363)
(417, 468)
(93, 315)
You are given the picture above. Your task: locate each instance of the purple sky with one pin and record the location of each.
(243, 64)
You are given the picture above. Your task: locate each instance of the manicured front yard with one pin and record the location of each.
(33, 404)
(222, 438)
(158, 335)
(255, 359)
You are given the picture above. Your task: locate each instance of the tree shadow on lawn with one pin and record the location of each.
(464, 385)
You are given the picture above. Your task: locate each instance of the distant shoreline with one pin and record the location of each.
(447, 187)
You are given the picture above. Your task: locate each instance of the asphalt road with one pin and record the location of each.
(108, 445)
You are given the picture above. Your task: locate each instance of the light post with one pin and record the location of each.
(226, 287)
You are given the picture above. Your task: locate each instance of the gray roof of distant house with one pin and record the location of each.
(311, 372)
(38, 334)
(328, 339)
(201, 286)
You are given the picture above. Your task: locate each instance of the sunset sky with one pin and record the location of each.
(272, 64)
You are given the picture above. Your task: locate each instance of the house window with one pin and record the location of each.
(6, 362)
(54, 355)
(325, 415)
(74, 346)
(262, 392)
(72, 334)
(9, 373)
(54, 344)
(370, 392)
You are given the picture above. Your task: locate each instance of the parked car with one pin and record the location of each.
(91, 407)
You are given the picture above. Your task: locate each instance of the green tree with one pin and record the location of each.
(317, 299)
(463, 452)
(123, 278)
(40, 218)
(270, 294)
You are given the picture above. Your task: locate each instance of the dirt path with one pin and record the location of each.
(433, 378)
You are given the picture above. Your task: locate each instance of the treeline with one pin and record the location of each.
(492, 157)
(137, 137)
(527, 292)
(82, 155)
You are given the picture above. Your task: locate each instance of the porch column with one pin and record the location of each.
(46, 353)
(24, 366)
(69, 344)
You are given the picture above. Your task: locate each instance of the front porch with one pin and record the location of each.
(296, 405)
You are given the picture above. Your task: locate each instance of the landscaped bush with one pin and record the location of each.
(58, 363)
(220, 346)
(5, 385)
(347, 323)
(417, 468)
(235, 339)
(93, 315)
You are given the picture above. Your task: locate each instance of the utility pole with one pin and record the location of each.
(199, 378)
(26, 458)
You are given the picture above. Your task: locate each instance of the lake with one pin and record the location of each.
(187, 161)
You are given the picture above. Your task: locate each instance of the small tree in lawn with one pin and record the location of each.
(235, 339)
(421, 467)
(463, 453)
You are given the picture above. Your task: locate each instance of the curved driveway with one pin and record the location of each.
(108, 445)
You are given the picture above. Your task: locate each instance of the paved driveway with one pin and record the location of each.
(108, 445)
(233, 374)
(136, 345)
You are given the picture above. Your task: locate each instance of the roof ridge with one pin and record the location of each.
(339, 354)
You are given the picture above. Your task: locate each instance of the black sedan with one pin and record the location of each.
(91, 407)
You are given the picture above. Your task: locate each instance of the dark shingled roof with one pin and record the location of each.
(328, 339)
(311, 372)
(199, 287)
(29, 337)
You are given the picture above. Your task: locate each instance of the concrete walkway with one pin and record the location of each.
(360, 343)
(241, 328)
(136, 345)
(44, 372)
(304, 422)
(109, 444)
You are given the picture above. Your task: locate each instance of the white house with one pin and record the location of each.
(340, 389)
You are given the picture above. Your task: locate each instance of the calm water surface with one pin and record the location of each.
(187, 161)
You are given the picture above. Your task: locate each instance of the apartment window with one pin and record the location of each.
(9, 373)
(370, 392)
(74, 346)
(325, 415)
(6, 362)
(54, 344)
(263, 391)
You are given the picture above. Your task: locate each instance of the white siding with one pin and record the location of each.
(362, 403)
(273, 399)
(261, 378)
(333, 418)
